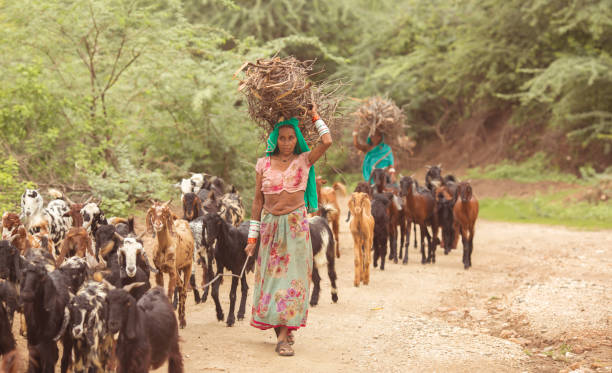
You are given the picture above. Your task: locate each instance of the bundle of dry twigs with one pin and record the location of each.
(382, 115)
(279, 88)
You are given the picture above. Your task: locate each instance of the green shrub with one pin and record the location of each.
(536, 168)
(11, 187)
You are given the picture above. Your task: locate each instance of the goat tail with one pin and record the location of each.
(339, 187)
(11, 363)
(175, 359)
(348, 217)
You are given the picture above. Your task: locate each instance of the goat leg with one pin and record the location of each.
(316, 280)
(423, 235)
(357, 255)
(215, 294)
(244, 288)
(230, 317)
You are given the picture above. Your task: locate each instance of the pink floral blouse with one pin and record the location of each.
(293, 179)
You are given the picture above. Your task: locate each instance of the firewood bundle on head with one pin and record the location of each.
(382, 115)
(278, 88)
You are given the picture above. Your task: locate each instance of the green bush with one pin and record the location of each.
(534, 169)
(11, 187)
(127, 185)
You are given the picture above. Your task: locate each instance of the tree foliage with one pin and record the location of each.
(96, 94)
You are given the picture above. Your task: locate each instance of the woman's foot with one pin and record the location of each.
(283, 348)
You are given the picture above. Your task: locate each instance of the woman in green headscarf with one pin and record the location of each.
(285, 191)
(378, 155)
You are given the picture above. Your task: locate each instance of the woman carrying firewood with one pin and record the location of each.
(285, 191)
(378, 155)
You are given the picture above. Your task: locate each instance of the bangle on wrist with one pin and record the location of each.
(315, 118)
(251, 240)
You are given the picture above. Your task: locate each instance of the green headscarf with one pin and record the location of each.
(310, 196)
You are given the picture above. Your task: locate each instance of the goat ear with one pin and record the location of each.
(366, 206)
(49, 294)
(132, 321)
(169, 222)
(198, 205)
(149, 222)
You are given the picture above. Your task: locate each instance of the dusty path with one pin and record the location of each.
(536, 299)
(440, 317)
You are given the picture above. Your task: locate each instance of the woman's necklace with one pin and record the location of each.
(286, 160)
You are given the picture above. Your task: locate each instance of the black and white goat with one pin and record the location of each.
(93, 218)
(93, 344)
(32, 211)
(110, 248)
(323, 251)
(148, 331)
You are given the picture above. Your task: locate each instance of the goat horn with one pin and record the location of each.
(131, 286)
(140, 236)
(88, 200)
(166, 204)
(118, 236)
(13, 237)
(439, 165)
(68, 199)
(64, 325)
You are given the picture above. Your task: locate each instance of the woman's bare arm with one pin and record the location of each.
(258, 200)
(320, 149)
(359, 146)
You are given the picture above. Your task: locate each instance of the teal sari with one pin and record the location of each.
(380, 156)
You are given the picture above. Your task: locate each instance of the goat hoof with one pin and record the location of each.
(395, 260)
(220, 316)
(335, 298)
(183, 324)
(240, 317)
(313, 303)
(230, 322)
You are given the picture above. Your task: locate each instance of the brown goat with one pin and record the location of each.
(465, 213)
(173, 251)
(362, 229)
(14, 231)
(77, 241)
(328, 198)
(419, 205)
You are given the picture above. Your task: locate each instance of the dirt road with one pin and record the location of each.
(546, 290)
(536, 299)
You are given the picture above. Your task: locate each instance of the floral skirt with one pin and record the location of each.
(283, 271)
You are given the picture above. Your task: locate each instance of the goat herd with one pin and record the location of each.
(77, 277)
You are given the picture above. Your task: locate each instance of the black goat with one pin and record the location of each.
(228, 252)
(148, 331)
(380, 203)
(10, 360)
(10, 267)
(323, 251)
(45, 295)
(93, 344)
(433, 177)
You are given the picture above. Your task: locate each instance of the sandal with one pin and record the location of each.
(284, 349)
(291, 339)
